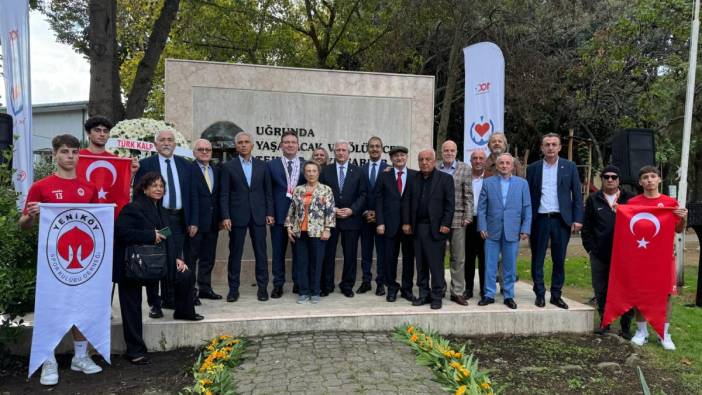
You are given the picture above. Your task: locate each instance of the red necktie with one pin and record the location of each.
(399, 182)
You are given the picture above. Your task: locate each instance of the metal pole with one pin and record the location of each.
(687, 130)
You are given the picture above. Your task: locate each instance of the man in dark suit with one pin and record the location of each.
(391, 190)
(428, 215)
(557, 206)
(203, 245)
(286, 173)
(372, 170)
(246, 202)
(349, 187)
(180, 200)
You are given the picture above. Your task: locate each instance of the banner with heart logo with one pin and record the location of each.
(74, 277)
(484, 96)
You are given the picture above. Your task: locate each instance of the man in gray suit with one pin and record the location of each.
(504, 217)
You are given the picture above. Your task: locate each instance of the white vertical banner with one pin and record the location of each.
(74, 277)
(484, 96)
(14, 38)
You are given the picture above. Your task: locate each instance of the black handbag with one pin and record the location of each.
(146, 262)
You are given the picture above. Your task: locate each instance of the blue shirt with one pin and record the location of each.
(210, 173)
(448, 169)
(247, 166)
(504, 185)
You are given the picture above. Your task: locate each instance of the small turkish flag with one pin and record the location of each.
(642, 271)
(111, 176)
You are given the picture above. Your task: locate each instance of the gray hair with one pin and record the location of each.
(242, 133)
(476, 151)
(160, 132)
(201, 141)
(505, 154)
(433, 152)
(342, 142)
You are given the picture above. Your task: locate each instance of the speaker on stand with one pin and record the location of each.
(633, 149)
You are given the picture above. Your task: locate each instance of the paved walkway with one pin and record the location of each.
(332, 363)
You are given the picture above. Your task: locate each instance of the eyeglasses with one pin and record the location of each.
(204, 150)
(610, 177)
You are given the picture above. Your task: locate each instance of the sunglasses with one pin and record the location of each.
(610, 177)
(204, 150)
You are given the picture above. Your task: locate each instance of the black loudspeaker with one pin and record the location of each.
(5, 134)
(633, 149)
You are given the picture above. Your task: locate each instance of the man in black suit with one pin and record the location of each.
(246, 202)
(203, 245)
(180, 201)
(349, 187)
(428, 215)
(391, 191)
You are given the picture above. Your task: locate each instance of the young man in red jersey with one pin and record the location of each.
(62, 187)
(98, 130)
(650, 179)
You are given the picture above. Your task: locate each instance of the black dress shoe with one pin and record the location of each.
(420, 301)
(509, 302)
(486, 301)
(323, 293)
(232, 297)
(209, 295)
(155, 312)
(559, 303)
(365, 287)
(262, 295)
(277, 292)
(407, 296)
(348, 293)
(392, 296)
(197, 302)
(459, 299)
(540, 302)
(296, 289)
(436, 304)
(380, 290)
(195, 317)
(468, 294)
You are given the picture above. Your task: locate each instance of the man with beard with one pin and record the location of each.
(498, 145)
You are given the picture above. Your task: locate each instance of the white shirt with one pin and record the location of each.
(404, 178)
(611, 198)
(176, 187)
(549, 189)
(477, 187)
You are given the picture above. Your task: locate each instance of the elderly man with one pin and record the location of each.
(498, 145)
(428, 214)
(598, 235)
(180, 201)
(475, 245)
(246, 202)
(349, 186)
(557, 206)
(504, 217)
(462, 216)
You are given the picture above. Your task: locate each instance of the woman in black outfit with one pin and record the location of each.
(139, 223)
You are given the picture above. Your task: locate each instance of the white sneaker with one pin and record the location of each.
(85, 365)
(49, 373)
(667, 342)
(640, 338)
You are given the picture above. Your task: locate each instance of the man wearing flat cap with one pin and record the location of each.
(598, 234)
(390, 195)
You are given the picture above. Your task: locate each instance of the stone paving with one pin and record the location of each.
(332, 363)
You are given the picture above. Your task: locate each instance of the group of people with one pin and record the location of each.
(481, 211)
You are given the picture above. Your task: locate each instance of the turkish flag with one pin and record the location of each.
(642, 271)
(111, 176)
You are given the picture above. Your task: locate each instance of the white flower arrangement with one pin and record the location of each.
(143, 129)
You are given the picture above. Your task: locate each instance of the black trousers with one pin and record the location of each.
(600, 283)
(430, 262)
(237, 236)
(392, 252)
(167, 295)
(475, 248)
(202, 251)
(349, 244)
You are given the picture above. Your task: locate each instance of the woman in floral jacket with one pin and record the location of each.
(309, 222)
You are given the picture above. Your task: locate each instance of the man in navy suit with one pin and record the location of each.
(390, 195)
(203, 245)
(372, 170)
(180, 200)
(246, 202)
(349, 186)
(504, 217)
(286, 173)
(428, 216)
(557, 207)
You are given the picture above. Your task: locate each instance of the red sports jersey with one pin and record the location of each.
(660, 201)
(85, 151)
(54, 189)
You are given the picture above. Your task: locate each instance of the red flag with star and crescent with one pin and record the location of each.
(642, 271)
(111, 176)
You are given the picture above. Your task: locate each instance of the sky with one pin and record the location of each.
(58, 73)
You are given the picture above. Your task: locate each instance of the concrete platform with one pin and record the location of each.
(367, 312)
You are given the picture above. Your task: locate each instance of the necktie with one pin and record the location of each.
(399, 182)
(342, 178)
(171, 185)
(374, 174)
(289, 168)
(207, 178)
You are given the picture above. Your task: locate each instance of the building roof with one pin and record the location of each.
(56, 107)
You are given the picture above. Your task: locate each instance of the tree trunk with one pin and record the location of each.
(451, 78)
(104, 97)
(143, 80)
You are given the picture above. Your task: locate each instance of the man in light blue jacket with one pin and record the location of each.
(504, 217)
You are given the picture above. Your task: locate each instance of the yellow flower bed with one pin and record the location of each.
(212, 370)
(457, 372)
